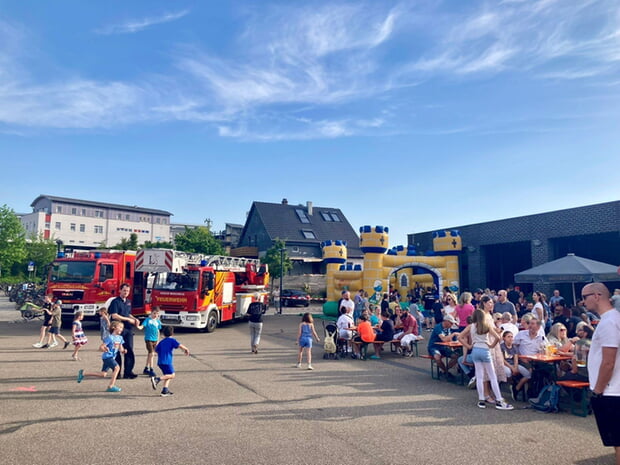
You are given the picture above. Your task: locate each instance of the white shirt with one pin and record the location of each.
(526, 345)
(343, 323)
(607, 334)
(510, 327)
(348, 304)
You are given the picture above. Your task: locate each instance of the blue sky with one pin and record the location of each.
(416, 115)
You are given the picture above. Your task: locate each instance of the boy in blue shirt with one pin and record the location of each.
(111, 346)
(164, 359)
(151, 326)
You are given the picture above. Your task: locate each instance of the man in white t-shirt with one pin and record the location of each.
(604, 365)
(508, 325)
(347, 303)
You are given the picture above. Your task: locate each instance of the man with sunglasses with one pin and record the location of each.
(604, 365)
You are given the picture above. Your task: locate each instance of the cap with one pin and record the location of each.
(478, 291)
(59, 302)
(449, 318)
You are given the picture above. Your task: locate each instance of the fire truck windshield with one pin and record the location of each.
(186, 281)
(72, 272)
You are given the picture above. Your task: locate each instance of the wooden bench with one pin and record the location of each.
(395, 344)
(580, 406)
(434, 366)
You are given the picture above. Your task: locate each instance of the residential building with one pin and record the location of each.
(302, 228)
(86, 224)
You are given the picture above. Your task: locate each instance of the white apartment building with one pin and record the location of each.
(87, 224)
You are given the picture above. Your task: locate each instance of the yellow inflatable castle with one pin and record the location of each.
(398, 267)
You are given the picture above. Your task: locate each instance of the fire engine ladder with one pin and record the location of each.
(221, 262)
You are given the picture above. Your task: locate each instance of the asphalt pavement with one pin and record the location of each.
(234, 407)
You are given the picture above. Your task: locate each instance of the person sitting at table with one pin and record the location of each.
(385, 333)
(558, 338)
(375, 316)
(561, 313)
(582, 347)
(508, 325)
(576, 317)
(396, 318)
(366, 334)
(518, 374)
(483, 338)
(529, 341)
(443, 333)
(345, 321)
(410, 332)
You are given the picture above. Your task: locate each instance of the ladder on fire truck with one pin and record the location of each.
(218, 262)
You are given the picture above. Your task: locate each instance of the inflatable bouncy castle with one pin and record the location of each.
(400, 267)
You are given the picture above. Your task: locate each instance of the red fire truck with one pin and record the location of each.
(201, 291)
(86, 280)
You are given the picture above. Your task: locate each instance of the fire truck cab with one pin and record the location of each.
(86, 280)
(201, 291)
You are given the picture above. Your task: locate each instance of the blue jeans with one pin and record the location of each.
(466, 368)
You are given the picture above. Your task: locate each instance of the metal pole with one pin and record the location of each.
(281, 274)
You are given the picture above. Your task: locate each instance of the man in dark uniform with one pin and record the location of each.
(120, 310)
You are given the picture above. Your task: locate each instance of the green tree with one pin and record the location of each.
(272, 259)
(198, 240)
(157, 245)
(127, 244)
(42, 252)
(12, 239)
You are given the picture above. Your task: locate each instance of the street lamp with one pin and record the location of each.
(282, 250)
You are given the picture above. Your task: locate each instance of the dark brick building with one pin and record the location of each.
(493, 252)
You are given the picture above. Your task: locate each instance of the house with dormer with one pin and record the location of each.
(302, 228)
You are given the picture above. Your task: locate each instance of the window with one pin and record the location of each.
(98, 214)
(74, 211)
(335, 217)
(57, 226)
(83, 212)
(326, 216)
(164, 221)
(158, 220)
(98, 229)
(308, 234)
(302, 216)
(82, 228)
(58, 209)
(72, 226)
(47, 225)
(127, 217)
(119, 216)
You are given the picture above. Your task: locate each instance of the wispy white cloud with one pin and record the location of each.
(136, 25)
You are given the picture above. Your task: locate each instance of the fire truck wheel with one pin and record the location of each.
(211, 321)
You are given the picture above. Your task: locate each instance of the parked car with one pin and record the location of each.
(293, 298)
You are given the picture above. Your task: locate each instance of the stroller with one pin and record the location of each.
(330, 341)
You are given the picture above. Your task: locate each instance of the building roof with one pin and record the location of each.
(289, 222)
(90, 203)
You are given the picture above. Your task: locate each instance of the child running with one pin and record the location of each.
(79, 338)
(47, 321)
(304, 339)
(483, 338)
(55, 327)
(112, 345)
(152, 326)
(164, 360)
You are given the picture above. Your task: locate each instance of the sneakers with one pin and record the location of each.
(502, 405)
(375, 357)
(113, 389)
(152, 373)
(297, 365)
(482, 404)
(166, 393)
(310, 367)
(147, 372)
(37, 345)
(472, 383)
(53, 344)
(154, 382)
(80, 376)
(130, 376)
(66, 344)
(44, 346)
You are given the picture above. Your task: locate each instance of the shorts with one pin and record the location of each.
(383, 337)
(54, 330)
(109, 364)
(150, 346)
(305, 342)
(481, 355)
(442, 352)
(47, 323)
(166, 369)
(606, 410)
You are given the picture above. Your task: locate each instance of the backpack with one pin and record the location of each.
(548, 399)
(329, 344)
